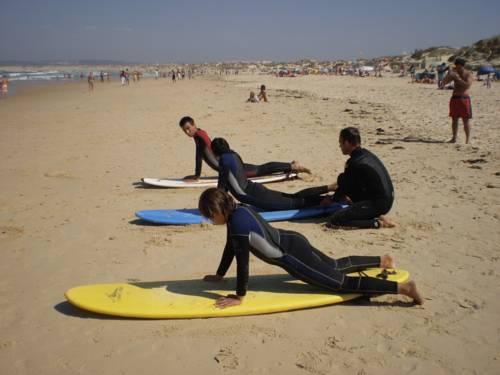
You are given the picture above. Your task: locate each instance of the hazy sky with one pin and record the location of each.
(214, 30)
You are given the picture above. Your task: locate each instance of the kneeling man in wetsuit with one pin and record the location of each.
(365, 184)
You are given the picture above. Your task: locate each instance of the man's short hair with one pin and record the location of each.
(185, 120)
(460, 61)
(351, 135)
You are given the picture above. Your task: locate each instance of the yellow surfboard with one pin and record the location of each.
(182, 299)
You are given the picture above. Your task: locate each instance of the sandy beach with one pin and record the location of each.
(70, 161)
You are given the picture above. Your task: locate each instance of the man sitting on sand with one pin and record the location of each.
(460, 104)
(365, 185)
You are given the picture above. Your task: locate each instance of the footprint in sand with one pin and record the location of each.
(11, 232)
(475, 161)
(58, 174)
(226, 358)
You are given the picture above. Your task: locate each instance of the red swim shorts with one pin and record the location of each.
(460, 107)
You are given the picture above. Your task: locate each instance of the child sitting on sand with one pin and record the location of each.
(252, 98)
(262, 94)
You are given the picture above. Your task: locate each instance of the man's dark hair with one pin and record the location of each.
(460, 61)
(220, 146)
(215, 200)
(185, 120)
(351, 135)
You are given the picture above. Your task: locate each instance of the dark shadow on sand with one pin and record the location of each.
(282, 283)
(147, 223)
(410, 139)
(68, 309)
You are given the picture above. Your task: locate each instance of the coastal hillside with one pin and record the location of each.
(484, 51)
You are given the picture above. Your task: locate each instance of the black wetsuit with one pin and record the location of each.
(248, 232)
(204, 152)
(232, 177)
(368, 184)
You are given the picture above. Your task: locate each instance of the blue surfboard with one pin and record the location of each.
(188, 216)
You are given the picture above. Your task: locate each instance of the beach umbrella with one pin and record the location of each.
(486, 69)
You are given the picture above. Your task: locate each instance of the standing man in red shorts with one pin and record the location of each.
(460, 105)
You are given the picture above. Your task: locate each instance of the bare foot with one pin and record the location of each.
(386, 261)
(385, 222)
(453, 140)
(409, 289)
(296, 167)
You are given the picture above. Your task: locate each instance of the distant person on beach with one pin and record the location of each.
(173, 76)
(460, 103)
(127, 77)
(204, 153)
(487, 81)
(232, 178)
(262, 94)
(90, 80)
(101, 76)
(441, 71)
(365, 185)
(4, 85)
(123, 79)
(248, 233)
(412, 73)
(252, 98)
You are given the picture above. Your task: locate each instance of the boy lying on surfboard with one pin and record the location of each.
(248, 232)
(204, 153)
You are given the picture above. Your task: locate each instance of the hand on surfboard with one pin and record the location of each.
(191, 178)
(228, 301)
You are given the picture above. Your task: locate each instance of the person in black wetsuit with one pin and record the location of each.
(248, 232)
(232, 177)
(204, 153)
(365, 184)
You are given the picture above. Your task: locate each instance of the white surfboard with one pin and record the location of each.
(205, 182)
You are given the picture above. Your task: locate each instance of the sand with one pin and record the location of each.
(69, 161)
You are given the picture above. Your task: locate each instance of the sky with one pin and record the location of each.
(195, 31)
